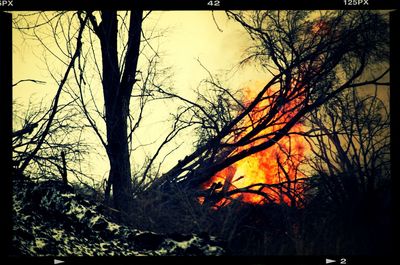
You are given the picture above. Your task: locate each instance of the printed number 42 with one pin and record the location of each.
(214, 3)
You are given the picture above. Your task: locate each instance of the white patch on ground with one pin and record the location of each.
(40, 243)
(68, 195)
(112, 226)
(212, 248)
(77, 210)
(94, 220)
(184, 244)
(57, 234)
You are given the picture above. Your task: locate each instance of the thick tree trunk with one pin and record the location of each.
(118, 153)
(117, 88)
(116, 110)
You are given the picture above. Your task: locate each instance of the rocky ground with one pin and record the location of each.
(50, 219)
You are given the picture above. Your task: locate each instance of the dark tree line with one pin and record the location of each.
(311, 57)
(351, 147)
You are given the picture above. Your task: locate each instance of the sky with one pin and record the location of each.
(188, 42)
(187, 37)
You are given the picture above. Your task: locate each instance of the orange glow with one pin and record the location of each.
(263, 167)
(272, 174)
(320, 27)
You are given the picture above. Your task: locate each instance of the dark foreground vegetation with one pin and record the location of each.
(326, 73)
(51, 218)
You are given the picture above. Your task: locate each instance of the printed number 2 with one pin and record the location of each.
(214, 3)
(343, 261)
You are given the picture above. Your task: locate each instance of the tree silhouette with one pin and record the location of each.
(117, 83)
(117, 89)
(310, 56)
(317, 66)
(351, 151)
(40, 147)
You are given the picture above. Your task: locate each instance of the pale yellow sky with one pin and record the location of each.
(187, 36)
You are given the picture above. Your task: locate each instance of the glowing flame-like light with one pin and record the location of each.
(276, 165)
(275, 168)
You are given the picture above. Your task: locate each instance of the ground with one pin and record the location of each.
(50, 219)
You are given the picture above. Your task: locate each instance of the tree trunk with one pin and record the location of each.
(118, 153)
(116, 110)
(117, 88)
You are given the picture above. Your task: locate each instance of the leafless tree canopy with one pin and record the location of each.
(351, 151)
(325, 83)
(311, 58)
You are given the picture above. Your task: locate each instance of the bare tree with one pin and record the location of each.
(50, 139)
(310, 56)
(112, 44)
(351, 146)
(64, 136)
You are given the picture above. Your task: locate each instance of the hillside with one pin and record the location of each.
(50, 219)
